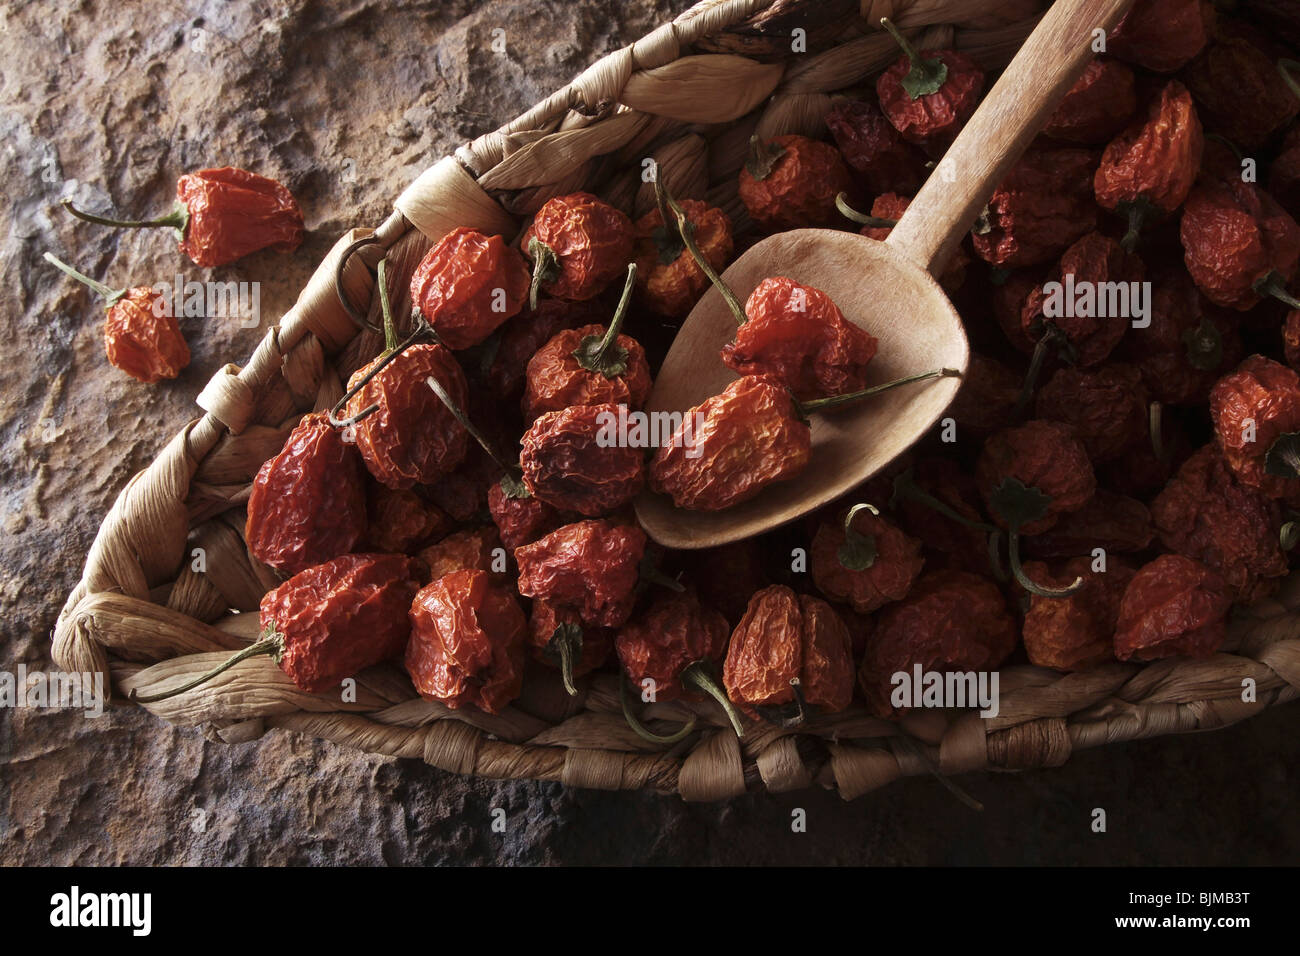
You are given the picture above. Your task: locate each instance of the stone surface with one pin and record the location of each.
(346, 103)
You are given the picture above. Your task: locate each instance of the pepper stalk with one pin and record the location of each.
(640, 729)
(686, 229)
(925, 76)
(603, 354)
(1018, 505)
(271, 643)
(862, 219)
(858, 552)
(110, 296)
(178, 219)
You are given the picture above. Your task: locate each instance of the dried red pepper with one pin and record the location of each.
(929, 95)
(1243, 94)
(558, 638)
(939, 503)
(330, 621)
(579, 245)
(399, 521)
(1029, 476)
(864, 560)
(733, 445)
(1076, 632)
(1284, 174)
(1291, 338)
(1106, 406)
(886, 210)
(141, 336)
(1173, 606)
(789, 652)
(573, 460)
(471, 549)
(1043, 205)
(671, 650)
(222, 215)
(668, 279)
(1162, 35)
(873, 148)
(592, 365)
(1148, 170)
(1207, 514)
(1117, 523)
(791, 182)
(308, 502)
(467, 642)
(988, 395)
(522, 336)
(951, 621)
(726, 576)
(467, 285)
(1256, 412)
(1097, 107)
(1238, 243)
(590, 567)
(521, 520)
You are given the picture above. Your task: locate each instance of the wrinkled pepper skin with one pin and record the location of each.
(340, 617)
(672, 288)
(1162, 35)
(308, 503)
(1042, 455)
(891, 205)
(951, 621)
(521, 521)
(467, 285)
(800, 189)
(467, 642)
(1206, 514)
(1173, 606)
(233, 213)
(412, 438)
(1155, 160)
(673, 633)
(896, 566)
(797, 334)
(1240, 93)
(1233, 235)
(1118, 523)
(1252, 407)
(555, 380)
(784, 637)
(597, 642)
(527, 332)
(1076, 632)
(1043, 206)
(398, 522)
(935, 119)
(589, 567)
(1097, 107)
(874, 149)
(1106, 406)
(142, 337)
(566, 466)
(591, 239)
(470, 549)
(750, 437)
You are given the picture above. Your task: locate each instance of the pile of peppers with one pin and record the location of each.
(1105, 487)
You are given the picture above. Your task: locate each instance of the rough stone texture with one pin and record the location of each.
(346, 103)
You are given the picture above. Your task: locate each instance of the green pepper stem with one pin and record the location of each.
(905, 486)
(1051, 335)
(1137, 216)
(1155, 424)
(640, 729)
(697, 675)
(178, 219)
(110, 296)
(390, 331)
(1013, 548)
(834, 401)
(1285, 66)
(995, 556)
(917, 751)
(1273, 284)
(687, 232)
(562, 642)
(478, 436)
(904, 44)
(272, 645)
(853, 513)
(848, 212)
(616, 323)
(1289, 535)
(545, 267)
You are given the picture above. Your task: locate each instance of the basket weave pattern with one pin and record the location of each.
(689, 95)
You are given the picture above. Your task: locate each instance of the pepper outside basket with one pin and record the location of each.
(689, 95)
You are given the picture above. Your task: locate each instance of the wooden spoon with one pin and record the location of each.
(886, 287)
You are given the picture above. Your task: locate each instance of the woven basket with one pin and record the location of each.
(689, 95)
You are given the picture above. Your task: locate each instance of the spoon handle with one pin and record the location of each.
(1048, 64)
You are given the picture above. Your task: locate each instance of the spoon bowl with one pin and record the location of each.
(917, 328)
(885, 287)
